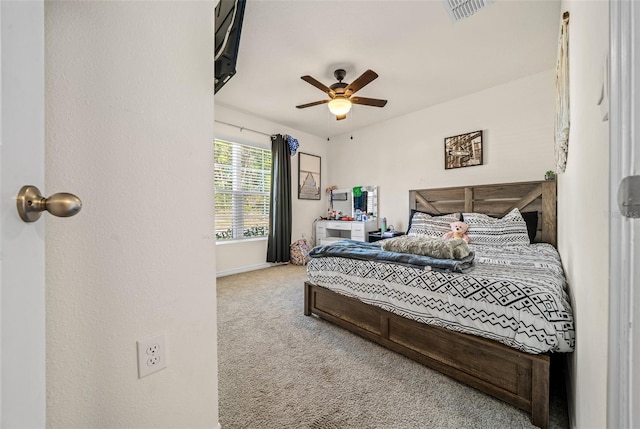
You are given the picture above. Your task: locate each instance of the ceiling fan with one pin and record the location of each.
(340, 93)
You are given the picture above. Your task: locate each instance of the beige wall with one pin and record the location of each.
(238, 256)
(408, 152)
(583, 199)
(129, 108)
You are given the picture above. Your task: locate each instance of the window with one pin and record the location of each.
(242, 190)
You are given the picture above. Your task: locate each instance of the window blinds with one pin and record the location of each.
(242, 186)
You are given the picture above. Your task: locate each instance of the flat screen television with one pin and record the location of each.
(228, 25)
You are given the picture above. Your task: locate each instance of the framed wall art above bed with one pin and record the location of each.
(463, 150)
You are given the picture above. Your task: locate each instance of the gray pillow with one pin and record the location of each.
(432, 226)
(511, 229)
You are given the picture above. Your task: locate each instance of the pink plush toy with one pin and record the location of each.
(458, 230)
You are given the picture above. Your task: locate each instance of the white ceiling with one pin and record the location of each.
(421, 56)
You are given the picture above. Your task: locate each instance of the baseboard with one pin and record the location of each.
(247, 269)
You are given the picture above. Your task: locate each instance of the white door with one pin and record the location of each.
(22, 294)
(624, 261)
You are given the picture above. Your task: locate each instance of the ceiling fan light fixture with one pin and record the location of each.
(339, 106)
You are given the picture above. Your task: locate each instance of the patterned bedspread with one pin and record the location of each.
(514, 294)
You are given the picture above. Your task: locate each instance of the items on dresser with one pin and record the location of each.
(379, 235)
(330, 231)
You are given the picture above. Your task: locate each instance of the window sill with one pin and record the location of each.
(244, 240)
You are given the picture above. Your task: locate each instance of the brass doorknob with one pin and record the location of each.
(31, 204)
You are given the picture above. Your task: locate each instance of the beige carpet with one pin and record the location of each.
(281, 369)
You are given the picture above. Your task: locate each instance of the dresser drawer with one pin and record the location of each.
(344, 226)
(358, 236)
(357, 227)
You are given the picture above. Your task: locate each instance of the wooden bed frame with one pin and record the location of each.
(518, 378)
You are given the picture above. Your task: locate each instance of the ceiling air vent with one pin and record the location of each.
(460, 9)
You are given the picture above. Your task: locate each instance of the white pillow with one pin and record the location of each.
(509, 230)
(432, 226)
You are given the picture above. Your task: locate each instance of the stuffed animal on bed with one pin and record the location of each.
(458, 230)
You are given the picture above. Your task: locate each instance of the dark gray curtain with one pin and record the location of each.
(280, 204)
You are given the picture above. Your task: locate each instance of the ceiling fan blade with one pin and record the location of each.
(322, 87)
(315, 103)
(360, 82)
(368, 101)
(341, 117)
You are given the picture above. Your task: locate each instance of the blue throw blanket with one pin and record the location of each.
(373, 252)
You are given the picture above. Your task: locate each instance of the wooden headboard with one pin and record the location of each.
(495, 200)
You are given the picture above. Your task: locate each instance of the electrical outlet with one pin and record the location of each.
(152, 355)
(153, 349)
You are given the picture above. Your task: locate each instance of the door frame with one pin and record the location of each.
(621, 300)
(625, 61)
(22, 278)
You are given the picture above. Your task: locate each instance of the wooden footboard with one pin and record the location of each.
(518, 378)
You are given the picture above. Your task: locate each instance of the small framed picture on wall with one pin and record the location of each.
(464, 150)
(308, 176)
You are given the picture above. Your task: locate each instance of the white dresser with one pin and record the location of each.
(329, 231)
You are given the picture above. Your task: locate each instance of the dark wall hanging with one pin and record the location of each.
(308, 176)
(464, 150)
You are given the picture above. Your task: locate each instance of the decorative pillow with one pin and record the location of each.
(433, 226)
(413, 212)
(509, 230)
(436, 247)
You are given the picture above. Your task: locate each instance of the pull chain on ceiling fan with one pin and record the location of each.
(340, 93)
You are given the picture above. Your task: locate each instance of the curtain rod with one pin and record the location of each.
(243, 128)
